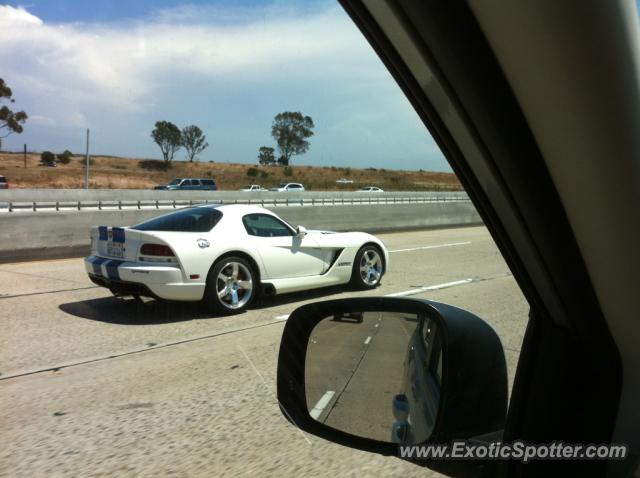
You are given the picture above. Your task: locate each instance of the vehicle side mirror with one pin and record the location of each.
(379, 373)
(301, 231)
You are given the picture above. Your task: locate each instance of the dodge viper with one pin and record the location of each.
(226, 255)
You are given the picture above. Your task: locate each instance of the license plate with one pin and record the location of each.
(115, 249)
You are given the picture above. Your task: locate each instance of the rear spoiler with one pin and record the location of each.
(121, 234)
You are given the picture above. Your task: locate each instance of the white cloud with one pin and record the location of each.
(122, 64)
(16, 16)
(207, 65)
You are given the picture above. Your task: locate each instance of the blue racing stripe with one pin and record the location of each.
(112, 269)
(118, 234)
(103, 234)
(96, 263)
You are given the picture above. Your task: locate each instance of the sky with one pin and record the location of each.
(229, 67)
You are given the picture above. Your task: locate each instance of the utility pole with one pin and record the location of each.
(25, 156)
(86, 170)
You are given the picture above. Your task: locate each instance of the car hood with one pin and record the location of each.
(318, 231)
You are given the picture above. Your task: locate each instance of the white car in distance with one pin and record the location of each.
(344, 181)
(288, 187)
(253, 187)
(225, 256)
(371, 189)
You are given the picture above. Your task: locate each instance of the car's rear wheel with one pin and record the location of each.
(367, 268)
(231, 286)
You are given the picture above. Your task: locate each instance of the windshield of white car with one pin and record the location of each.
(193, 219)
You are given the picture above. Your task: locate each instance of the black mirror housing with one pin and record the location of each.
(474, 387)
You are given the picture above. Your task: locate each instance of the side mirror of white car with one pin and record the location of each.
(301, 231)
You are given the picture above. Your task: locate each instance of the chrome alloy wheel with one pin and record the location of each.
(234, 285)
(370, 267)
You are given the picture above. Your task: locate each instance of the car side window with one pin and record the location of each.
(264, 225)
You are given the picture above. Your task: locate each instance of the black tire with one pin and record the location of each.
(369, 280)
(227, 305)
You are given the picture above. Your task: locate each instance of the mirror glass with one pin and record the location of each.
(375, 374)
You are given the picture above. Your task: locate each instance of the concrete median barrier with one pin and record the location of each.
(32, 236)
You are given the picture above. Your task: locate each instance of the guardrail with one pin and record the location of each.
(34, 206)
(39, 200)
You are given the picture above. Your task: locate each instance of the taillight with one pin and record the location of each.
(156, 250)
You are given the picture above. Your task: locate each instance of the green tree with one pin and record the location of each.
(193, 141)
(10, 121)
(47, 158)
(65, 157)
(252, 172)
(291, 130)
(266, 156)
(168, 137)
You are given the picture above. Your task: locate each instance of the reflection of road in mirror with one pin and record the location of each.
(355, 366)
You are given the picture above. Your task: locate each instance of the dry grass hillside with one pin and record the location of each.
(125, 173)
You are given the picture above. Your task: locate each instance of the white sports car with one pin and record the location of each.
(227, 255)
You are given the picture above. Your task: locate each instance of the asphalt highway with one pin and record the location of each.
(353, 370)
(93, 385)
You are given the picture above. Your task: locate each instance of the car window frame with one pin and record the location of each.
(472, 114)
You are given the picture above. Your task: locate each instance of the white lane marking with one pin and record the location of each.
(415, 291)
(367, 340)
(419, 290)
(321, 405)
(432, 247)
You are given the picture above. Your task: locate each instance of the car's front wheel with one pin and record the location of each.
(231, 286)
(367, 268)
